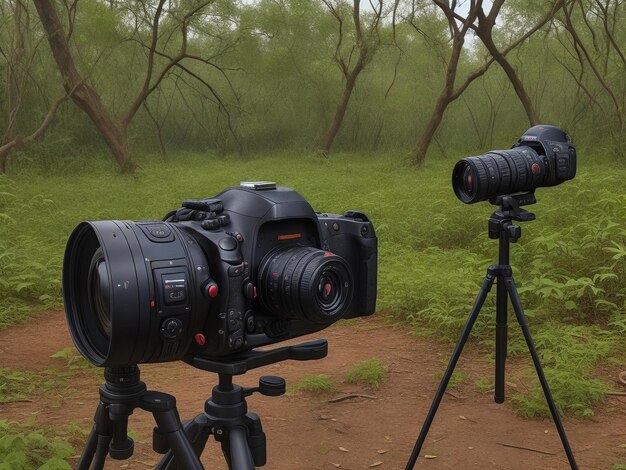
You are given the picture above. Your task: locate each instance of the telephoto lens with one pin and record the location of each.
(543, 156)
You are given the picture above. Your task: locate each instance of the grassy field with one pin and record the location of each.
(570, 264)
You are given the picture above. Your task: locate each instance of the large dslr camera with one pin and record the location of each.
(543, 156)
(253, 266)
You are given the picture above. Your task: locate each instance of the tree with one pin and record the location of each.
(482, 24)
(605, 46)
(366, 40)
(484, 30)
(148, 20)
(19, 54)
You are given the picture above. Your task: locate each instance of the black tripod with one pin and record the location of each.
(226, 415)
(501, 227)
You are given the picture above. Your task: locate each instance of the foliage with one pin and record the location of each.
(433, 251)
(272, 66)
(312, 384)
(74, 361)
(568, 353)
(19, 385)
(21, 448)
(371, 372)
(455, 381)
(484, 384)
(16, 385)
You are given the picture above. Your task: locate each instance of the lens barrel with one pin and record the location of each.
(498, 172)
(114, 276)
(305, 283)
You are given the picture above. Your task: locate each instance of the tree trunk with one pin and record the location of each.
(5, 150)
(518, 86)
(113, 132)
(342, 106)
(445, 98)
(37, 135)
(433, 124)
(15, 71)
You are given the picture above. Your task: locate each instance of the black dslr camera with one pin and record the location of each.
(543, 156)
(253, 266)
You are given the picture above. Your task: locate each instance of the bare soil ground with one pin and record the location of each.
(305, 431)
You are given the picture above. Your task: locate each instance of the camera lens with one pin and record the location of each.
(464, 181)
(328, 291)
(305, 283)
(114, 281)
(100, 292)
(497, 173)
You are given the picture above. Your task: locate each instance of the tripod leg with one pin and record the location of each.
(198, 432)
(501, 338)
(480, 300)
(169, 425)
(89, 451)
(521, 318)
(97, 445)
(236, 449)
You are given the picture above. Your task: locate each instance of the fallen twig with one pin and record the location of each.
(352, 395)
(617, 394)
(526, 448)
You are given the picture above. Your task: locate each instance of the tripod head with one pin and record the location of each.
(122, 391)
(501, 221)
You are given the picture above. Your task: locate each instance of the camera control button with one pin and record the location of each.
(159, 233)
(249, 291)
(172, 328)
(212, 290)
(227, 243)
(234, 271)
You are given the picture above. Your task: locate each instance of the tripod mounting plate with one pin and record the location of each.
(501, 221)
(241, 363)
(510, 206)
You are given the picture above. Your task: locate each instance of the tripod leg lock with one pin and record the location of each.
(256, 439)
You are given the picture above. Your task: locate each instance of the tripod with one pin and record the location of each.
(501, 227)
(225, 416)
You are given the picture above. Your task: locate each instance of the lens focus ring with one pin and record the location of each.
(305, 283)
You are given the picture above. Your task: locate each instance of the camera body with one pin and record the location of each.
(253, 266)
(556, 149)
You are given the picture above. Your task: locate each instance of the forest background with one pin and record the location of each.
(123, 108)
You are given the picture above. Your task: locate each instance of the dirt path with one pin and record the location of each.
(306, 432)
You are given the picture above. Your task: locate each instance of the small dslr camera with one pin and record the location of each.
(250, 267)
(543, 156)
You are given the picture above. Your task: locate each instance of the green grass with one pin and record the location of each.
(315, 383)
(455, 381)
(74, 361)
(16, 385)
(570, 264)
(371, 373)
(23, 448)
(484, 384)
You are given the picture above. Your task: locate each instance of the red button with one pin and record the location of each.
(212, 290)
(535, 168)
(200, 340)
